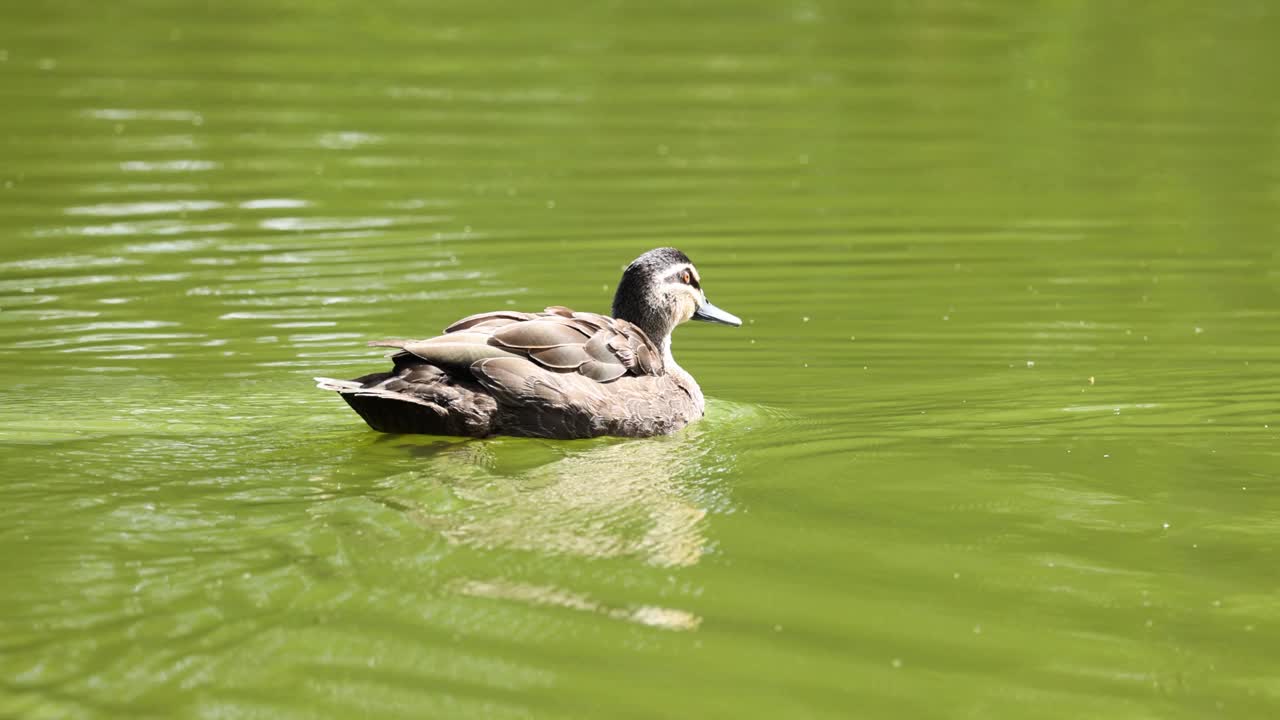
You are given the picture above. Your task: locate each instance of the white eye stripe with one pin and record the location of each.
(677, 275)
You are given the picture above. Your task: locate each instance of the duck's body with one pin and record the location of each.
(554, 374)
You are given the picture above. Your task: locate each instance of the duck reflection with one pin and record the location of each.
(646, 499)
(643, 499)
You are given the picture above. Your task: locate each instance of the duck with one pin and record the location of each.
(556, 374)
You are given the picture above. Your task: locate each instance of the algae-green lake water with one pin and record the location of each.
(999, 437)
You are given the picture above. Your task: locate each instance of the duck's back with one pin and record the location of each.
(556, 374)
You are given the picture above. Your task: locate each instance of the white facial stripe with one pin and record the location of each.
(674, 275)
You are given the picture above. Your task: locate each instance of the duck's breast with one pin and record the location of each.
(538, 402)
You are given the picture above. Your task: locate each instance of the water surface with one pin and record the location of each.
(999, 437)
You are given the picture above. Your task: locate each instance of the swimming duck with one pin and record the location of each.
(553, 374)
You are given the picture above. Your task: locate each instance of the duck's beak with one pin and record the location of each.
(707, 312)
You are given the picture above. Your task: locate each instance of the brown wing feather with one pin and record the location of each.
(498, 318)
(649, 362)
(558, 340)
(561, 357)
(603, 372)
(537, 335)
(600, 348)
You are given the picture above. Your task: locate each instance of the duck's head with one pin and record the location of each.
(661, 289)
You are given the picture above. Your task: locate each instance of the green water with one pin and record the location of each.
(1000, 437)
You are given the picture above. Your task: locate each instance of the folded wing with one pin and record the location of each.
(558, 340)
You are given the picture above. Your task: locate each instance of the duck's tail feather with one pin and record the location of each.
(325, 383)
(391, 411)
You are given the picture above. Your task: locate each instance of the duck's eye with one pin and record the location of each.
(684, 277)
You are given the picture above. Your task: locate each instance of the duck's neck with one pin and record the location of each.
(664, 345)
(682, 376)
(659, 328)
(656, 325)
